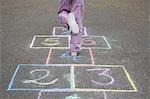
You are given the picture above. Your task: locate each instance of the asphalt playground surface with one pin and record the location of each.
(115, 67)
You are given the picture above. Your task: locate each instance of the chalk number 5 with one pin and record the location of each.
(50, 41)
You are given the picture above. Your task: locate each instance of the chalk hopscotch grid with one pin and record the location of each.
(12, 80)
(54, 32)
(85, 35)
(36, 89)
(72, 73)
(104, 38)
(72, 80)
(91, 57)
(42, 36)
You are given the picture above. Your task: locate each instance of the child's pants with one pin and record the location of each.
(76, 7)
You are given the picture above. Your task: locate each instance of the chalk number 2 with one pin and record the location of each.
(37, 80)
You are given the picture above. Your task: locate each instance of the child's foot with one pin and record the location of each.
(72, 23)
(74, 53)
(66, 31)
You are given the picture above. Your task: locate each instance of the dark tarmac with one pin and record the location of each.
(115, 67)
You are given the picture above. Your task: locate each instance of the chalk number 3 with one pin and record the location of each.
(104, 73)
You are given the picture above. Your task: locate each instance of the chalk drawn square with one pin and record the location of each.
(62, 31)
(95, 42)
(72, 95)
(107, 56)
(34, 77)
(97, 78)
(46, 41)
(62, 56)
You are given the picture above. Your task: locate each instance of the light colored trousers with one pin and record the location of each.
(76, 7)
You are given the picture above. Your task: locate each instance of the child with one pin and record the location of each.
(71, 14)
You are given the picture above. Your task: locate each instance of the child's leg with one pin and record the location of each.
(63, 11)
(78, 10)
(63, 18)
